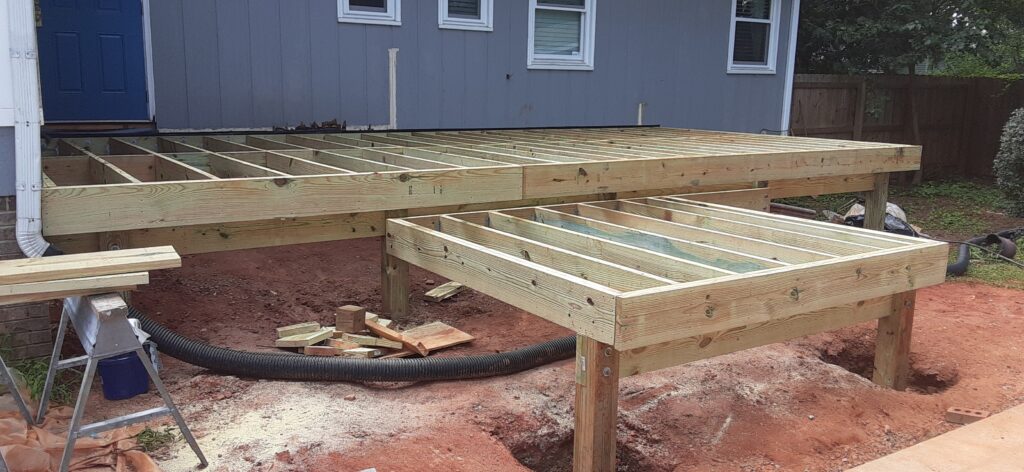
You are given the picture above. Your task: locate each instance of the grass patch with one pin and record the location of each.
(962, 192)
(152, 440)
(65, 384)
(954, 220)
(987, 268)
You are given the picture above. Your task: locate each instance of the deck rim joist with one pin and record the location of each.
(102, 184)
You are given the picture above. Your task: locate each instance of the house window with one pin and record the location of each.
(474, 15)
(754, 40)
(371, 12)
(561, 34)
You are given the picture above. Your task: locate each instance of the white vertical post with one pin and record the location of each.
(393, 88)
(787, 94)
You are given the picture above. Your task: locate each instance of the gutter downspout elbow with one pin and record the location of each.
(27, 119)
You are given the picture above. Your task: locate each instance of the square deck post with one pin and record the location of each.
(394, 274)
(892, 346)
(597, 406)
(875, 203)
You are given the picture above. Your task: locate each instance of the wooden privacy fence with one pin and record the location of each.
(958, 121)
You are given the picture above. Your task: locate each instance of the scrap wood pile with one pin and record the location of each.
(359, 334)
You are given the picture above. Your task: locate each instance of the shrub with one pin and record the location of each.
(1009, 163)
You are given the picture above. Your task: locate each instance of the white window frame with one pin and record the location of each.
(585, 61)
(484, 23)
(391, 17)
(773, 41)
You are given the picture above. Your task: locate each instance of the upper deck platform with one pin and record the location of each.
(106, 184)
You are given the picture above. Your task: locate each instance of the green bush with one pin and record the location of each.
(1009, 163)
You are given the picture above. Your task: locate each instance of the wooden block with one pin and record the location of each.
(444, 292)
(300, 328)
(324, 351)
(341, 344)
(408, 343)
(377, 319)
(366, 352)
(363, 340)
(350, 318)
(438, 335)
(960, 415)
(305, 339)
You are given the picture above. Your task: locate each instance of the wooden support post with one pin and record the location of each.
(394, 274)
(597, 401)
(875, 202)
(892, 346)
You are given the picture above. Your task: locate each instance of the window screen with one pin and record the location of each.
(464, 8)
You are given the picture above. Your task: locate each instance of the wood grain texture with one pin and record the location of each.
(892, 344)
(663, 314)
(681, 351)
(86, 209)
(813, 186)
(657, 173)
(578, 304)
(597, 406)
(20, 271)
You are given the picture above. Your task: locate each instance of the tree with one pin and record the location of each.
(1009, 163)
(865, 36)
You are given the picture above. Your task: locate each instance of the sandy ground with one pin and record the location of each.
(802, 405)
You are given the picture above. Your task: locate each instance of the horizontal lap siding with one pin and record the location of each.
(264, 63)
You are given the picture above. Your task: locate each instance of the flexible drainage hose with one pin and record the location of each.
(1004, 239)
(269, 365)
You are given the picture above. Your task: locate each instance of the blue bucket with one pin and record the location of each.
(123, 377)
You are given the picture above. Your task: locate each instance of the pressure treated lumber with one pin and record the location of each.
(443, 292)
(404, 341)
(305, 339)
(371, 341)
(892, 344)
(20, 271)
(299, 328)
(350, 319)
(597, 398)
(437, 335)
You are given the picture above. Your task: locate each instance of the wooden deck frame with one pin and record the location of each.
(626, 275)
(185, 185)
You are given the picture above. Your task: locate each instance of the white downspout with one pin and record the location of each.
(28, 179)
(787, 97)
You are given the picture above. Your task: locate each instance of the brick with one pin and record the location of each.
(10, 248)
(7, 233)
(25, 325)
(350, 319)
(961, 415)
(31, 351)
(8, 218)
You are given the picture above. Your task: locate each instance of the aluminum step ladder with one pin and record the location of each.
(101, 322)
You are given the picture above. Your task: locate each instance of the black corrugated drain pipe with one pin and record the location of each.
(281, 366)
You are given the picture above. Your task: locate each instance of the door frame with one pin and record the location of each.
(147, 39)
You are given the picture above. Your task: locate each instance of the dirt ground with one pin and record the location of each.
(802, 405)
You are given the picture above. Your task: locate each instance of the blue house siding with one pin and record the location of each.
(262, 63)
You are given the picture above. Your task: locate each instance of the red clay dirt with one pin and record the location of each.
(802, 405)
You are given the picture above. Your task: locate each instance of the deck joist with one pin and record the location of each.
(190, 190)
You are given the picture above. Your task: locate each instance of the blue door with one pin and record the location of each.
(92, 60)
